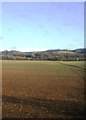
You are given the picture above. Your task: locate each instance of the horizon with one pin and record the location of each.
(40, 50)
(42, 26)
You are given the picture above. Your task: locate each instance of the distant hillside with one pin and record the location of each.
(54, 54)
(81, 50)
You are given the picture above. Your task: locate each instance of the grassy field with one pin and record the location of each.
(43, 89)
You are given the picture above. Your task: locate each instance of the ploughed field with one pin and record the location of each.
(42, 89)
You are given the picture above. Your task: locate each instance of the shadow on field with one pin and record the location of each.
(67, 108)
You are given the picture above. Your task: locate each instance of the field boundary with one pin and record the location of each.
(72, 66)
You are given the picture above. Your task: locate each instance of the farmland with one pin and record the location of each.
(42, 89)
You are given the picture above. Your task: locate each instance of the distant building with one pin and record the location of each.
(77, 58)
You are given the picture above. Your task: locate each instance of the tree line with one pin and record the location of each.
(52, 55)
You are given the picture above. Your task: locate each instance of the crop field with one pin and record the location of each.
(42, 89)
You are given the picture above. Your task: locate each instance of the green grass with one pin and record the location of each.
(46, 89)
(77, 63)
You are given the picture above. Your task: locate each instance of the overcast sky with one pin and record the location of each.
(40, 26)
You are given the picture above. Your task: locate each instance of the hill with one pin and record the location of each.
(53, 54)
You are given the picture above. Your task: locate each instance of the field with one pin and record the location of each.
(42, 89)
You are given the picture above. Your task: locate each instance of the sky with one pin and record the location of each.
(41, 26)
